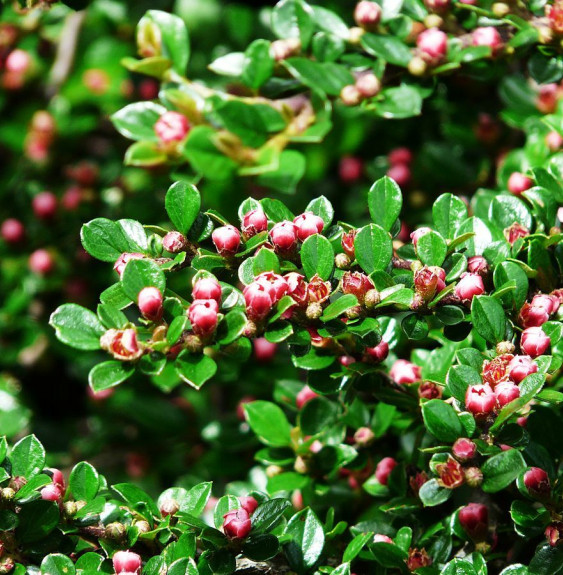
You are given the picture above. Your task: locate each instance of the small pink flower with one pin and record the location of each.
(432, 45)
(248, 503)
(308, 224)
(284, 236)
(202, 314)
(405, 372)
(12, 231)
(171, 127)
(480, 399)
(506, 392)
(367, 14)
(258, 301)
(126, 562)
(518, 183)
(487, 36)
(304, 396)
(207, 288)
(468, 286)
(384, 468)
(150, 303)
(254, 222)
(534, 342)
(237, 523)
(226, 240)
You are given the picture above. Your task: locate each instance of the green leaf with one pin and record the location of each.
(374, 248)
(136, 121)
(268, 422)
(286, 176)
(139, 274)
(318, 415)
(258, 65)
(84, 481)
(194, 369)
(27, 457)
(385, 201)
(323, 208)
(330, 22)
(265, 261)
(144, 155)
(501, 470)
(109, 374)
(76, 326)
(324, 77)
(441, 420)
(293, 19)
(192, 501)
(460, 377)
(506, 272)
(205, 157)
(432, 494)
(448, 213)
(137, 499)
(479, 241)
(388, 48)
(402, 102)
(339, 306)
(268, 515)
(488, 318)
(431, 249)
(458, 567)
(104, 239)
(261, 547)
(175, 40)
(506, 210)
(232, 326)
(307, 540)
(57, 564)
(317, 256)
(36, 520)
(182, 204)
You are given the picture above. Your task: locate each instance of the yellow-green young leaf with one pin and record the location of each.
(182, 204)
(317, 256)
(448, 212)
(258, 64)
(268, 422)
(77, 326)
(175, 39)
(293, 19)
(306, 540)
(204, 156)
(385, 202)
(323, 208)
(192, 501)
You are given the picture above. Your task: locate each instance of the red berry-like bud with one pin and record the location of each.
(378, 353)
(534, 342)
(384, 468)
(275, 284)
(468, 286)
(297, 288)
(474, 518)
(284, 236)
(429, 281)
(58, 478)
(350, 169)
(226, 240)
(518, 183)
(305, 395)
(367, 15)
(364, 436)
(399, 156)
(41, 262)
(533, 316)
(368, 85)
(548, 302)
(203, 316)
(554, 533)
(207, 288)
(477, 265)
(258, 301)
(171, 127)
(515, 232)
(404, 371)
(248, 503)
(72, 198)
(348, 244)
(358, 284)
(480, 399)
(12, 231)
(126, 562)
(536, 481)
(506, 392)
(174, 242)
(237, 523)
(520, 367)
(379, 538)
(17, 62)
(418, 558)
(150, 303)
(429, 390)
(44, 205)
(487, 36)
(264, 350)
(308, 224)
(122, 344)
(401, 173)
(51, 493)
(254, 222)
(553, 140)
(464, 449)
(122, 260)
(432, 45)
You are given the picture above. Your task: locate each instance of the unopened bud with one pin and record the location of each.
(169, 507)
(115, 531)
(350, 95)
(364, 436)
(314, 311)
(70, 508)
(417, 66)
(342, 261)
(273, 470)
(473, 476)
(149, 38)
(300, 465)
(372, 298)
(142, 526)
(7, 493)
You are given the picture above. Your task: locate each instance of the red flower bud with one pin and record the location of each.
(520, 367)
(477, 265)
(72, 198)
(58, 478)
(12, 231)
(367, 15)
(51, 493)
(248, 503)
(122, 344)
(417, 559)
(495, 370)
(308, 224)
(401, 173)
(207, 288)
(506, 392)
(284, 236)
(275, 284)
(474, 518)
(404, 371)
(534, 342)
(532, 316)
(171, 127)
(17, 62)
(384, 468)
(348, 244)
(378, 353)
(254, 222)
(487, 36)
(44, 205)
(515, 232)
(399, 156)
(450, 474)
(226, 240)
(41, 262)
(356, 283)
(318, 291)
(174, 242)
(304, 396)
(364, 436)
(469, 286)
(554, 533)
(150, 303)
(237, 523)
(536, 481)
(203, 316)
(379, 538)
(464, 449)
(296, 288)
(350, 169)
(264, 350)
(126, 562)
(480, 399)
(518, 183)
(122, 260)
(548, 302)
(429, 281)
(432, 45)
(429, 390)
(258, 301)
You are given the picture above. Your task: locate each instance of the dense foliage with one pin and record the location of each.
(343, 344)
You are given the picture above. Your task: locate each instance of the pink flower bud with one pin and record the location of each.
(122, 344)
(169, 507)
(464, 449)
(248, 503)
(532, 316)
(148, 89)
(51, 493)
(203, 316)
(506, 392)
(126, 562)
(534, 342)
(518, 183)
(207, 288)
(432, 45)
(346, 360)
(399, 156)
(348, 244)
(548, 302)
(384, 468)
(41, 262)
(367, 15)
(401, 173)
(122, 260)
(495, 370)
(44, 205)
(554, 531)
(536, 481)
(254, 222)
(174, 242)
(304, 396)
(284, 236)
(58, 478)
(468, 286)
(17, 62)
(477, 265)
(404, 371)
(275, 284)
(474, 518)
(429, 281)
(150, 303)
(429, 390)
(379, 538)
(258, 301)
(171, 127)
(368, 84)
(237, 523)
(308, 224)
(515, 232)
(356, 283)
(554, 13)
(553, 140)
(417, 234)
(487, 36)
(364, 436)
(378, 353)
(12, 231)
(350, 169)
(264, 350)
(297, 288)
(520, 367)
(226, 240)
(480, 399)
(72, 198)
(318, 291)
